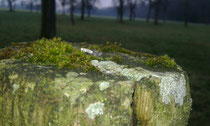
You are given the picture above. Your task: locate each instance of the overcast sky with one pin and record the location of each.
(104, 3)
(100, 3)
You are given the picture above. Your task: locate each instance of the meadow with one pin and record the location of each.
(189, 46)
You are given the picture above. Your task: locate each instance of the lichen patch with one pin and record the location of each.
(95, 109)
(14, 76)
(15, 87)
(71, 74)
(104, 85)
(172, 83)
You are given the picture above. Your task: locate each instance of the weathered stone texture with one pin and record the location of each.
(118, 96)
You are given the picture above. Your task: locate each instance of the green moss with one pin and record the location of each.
(55, 52)
(6, 53)
(161, 61)
(117, 59)
(62, 54)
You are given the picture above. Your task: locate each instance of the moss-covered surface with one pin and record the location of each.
(33, 95)
(40, 95)
(36, 90)
(149, 60)
(62, 54)
(161, 61)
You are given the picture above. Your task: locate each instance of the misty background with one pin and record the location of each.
(198, 10)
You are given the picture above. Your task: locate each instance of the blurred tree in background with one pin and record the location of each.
(132, 8)
(63, 4)
(89, 6)
(73, 4)
(48, 27)
(83, 5)
(11, 5)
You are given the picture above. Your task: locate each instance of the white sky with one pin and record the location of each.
(104, 3)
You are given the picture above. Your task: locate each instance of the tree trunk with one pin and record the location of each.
(149, 11)
(88, 2)
(186, 4)
(131, 11)
(10, 5)
(63, 3)
(157, 11)
(63, 10)
(72, 12)
(48, 29)
(131, 15)
(132, 8)
(121, 10)
(31, 6)
(89, 11)
(83, 10)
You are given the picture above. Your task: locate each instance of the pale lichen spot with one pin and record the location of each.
(104, 85)
(77, 123)
(13, 76)
(83, 90)
(71, 74)
(95, 109)
(15, 87)
(67, 94)
(82, 74)
(126, 103)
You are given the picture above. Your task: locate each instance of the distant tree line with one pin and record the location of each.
(185, 10)
(160, 8)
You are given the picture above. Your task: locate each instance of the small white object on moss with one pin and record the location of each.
(87, 51)
(95, 109)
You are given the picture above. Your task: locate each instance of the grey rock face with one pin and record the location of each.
(118, 96)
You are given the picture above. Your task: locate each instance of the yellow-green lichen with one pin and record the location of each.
(161, 61)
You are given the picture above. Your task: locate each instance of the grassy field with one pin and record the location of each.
(190, 47)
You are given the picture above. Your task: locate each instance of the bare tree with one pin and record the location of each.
(132, 8)
(37, 5)
(83, 9)
(120, 8)
(11, 5)
(157, 11)
(72, 8)
(63, 4)
(151, 4)
(48, 27)
(90, 4)
(31, 5)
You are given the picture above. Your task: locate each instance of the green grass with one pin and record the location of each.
(190, 47)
